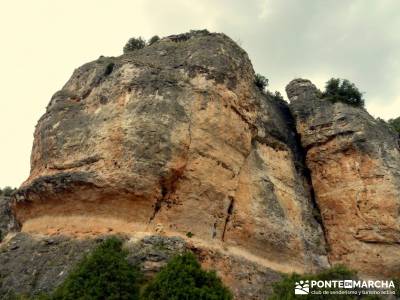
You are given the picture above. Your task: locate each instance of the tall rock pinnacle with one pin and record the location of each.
(355, 168)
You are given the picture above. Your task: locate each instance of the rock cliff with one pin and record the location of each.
(355, 168)
(175, 140)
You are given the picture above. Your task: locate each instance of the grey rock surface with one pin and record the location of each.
(34, 265)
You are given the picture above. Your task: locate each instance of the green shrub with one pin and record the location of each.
(134, 44)
(154, 39)
(397, 287)
(395, 124)
(183, 278)
(275, 96)
(284, 289)
(343, 91)
(7, 191)
(260, 81)
(103, 274)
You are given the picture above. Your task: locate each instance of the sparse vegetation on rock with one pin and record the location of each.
(275, 96)
(343, 90)
(134, 44)
(183, 278)
(7, 191)
(260, 81)
(153, 39)
(395, 124)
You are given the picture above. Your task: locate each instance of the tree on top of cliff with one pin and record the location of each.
(7, 191)
(343, 90)
(395, 124)
(153, 40)
(183, 278)
(134, 44)
(260, 81)
(103, 274)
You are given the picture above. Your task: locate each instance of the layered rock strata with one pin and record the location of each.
(354, 162)
(174, 138)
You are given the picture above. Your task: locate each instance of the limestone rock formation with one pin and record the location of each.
(174, 138)
(175, 144)
(354, 162)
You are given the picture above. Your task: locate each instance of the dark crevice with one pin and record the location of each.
(252, 127)
(157, 207)
(214, 230)
(306, 172)
(228, 216)
(330, 138)
(109, 69)
(168, 187)
(85, 161)
(169, 183)
(219, 162)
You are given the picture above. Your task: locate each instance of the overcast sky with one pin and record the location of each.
(43, 41)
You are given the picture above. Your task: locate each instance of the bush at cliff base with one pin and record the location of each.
(103, 274)
(284, 289)
(183, 278)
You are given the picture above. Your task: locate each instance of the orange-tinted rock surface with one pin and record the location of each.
(174, 138)
(354, 161)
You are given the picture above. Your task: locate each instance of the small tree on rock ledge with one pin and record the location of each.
(260, 81)
(342, 90)
(134, 44)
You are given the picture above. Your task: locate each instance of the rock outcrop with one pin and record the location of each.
(175, 144)
(174, 138)
(355, 168)
(7, 219)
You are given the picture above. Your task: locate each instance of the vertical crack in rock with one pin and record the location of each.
(229, 211)
(159, 201)
(214, 230)
(316, 213)
(228, 215)
(306, 172)
(169, 185)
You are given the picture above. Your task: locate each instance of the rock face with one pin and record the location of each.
(174, 143)
(7, 219)
(174, 138)
(355, 168)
